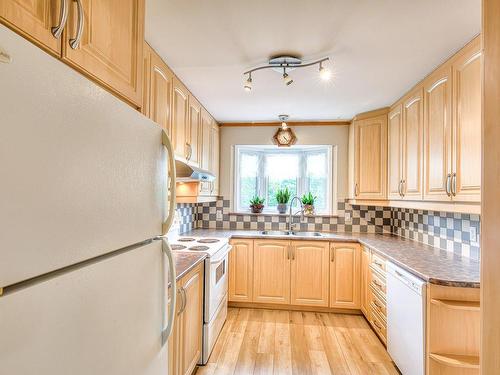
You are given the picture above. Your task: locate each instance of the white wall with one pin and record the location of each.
(306, 135)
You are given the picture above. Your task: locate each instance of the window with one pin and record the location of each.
(262, 170)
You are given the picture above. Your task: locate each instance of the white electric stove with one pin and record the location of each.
(216, 283)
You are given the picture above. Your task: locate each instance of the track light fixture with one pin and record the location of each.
(288, 63)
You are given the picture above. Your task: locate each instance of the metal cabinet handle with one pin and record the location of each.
(454, 184)
(288, 252)
(403, 183)
(182, 293)
(75, 42)
(356, 190)
(376, 325)
(171, 183)
(399, 188)
(332, 255)
(212, 187)
(165, 334)
(189, 152)
(63, 17)
(448, 186)
(377, 304)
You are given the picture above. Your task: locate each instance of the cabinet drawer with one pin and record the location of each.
(379, 326)
(378, 304)
(378, 283)
(378, 263)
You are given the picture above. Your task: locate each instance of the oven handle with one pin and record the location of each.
(228, 249)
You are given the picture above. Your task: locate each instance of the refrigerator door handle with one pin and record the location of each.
(172, 280)
(171, 186)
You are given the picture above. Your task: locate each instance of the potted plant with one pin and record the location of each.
(282, 197)
(308, 204)
(257, 204)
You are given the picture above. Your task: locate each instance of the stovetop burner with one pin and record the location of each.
(208, 240)
(186, 239)
(199, 248)
(178, 247)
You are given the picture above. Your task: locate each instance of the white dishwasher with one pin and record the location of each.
(406, 320)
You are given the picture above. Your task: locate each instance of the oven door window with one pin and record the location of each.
(220, 271)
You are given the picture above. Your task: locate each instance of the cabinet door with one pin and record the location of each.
(174, 341)
(412, 146)
(371, 158)
(395, 154)
(111, 45)
(214, 160)
(160, 92)
(365, 283)
(194, 131)
(309, 273)
(437, 134)
(179, 118)
(191, 321)
(206, 144)
(241, 271)
(271, 269)
(34, 20)
(345, 276)
(467, 124)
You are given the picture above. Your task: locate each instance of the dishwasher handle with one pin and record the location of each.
(413, 282)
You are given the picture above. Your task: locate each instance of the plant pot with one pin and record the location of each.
(308, 210)
(282, 207)
(257, 209)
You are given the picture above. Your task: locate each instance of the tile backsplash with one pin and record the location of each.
(449, 231)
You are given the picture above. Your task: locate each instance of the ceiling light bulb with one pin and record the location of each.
(324, 73)
(287, 79)
(284, 125)
(248, 84)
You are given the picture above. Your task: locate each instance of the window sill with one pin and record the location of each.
(278, 214)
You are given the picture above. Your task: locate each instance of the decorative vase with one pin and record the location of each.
(257, 209)
(282, 207)
(308, 210)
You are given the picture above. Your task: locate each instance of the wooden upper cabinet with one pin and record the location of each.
(34, 19)
(111, 45)
(371, 157)
(215, 157)
(180, 113)
(466, 68)
(271, 269)
(241, 271)
(193, 141)
(394, 152)
(345, 286)
(206, 149)
(437, 134)
(413, 126)
(309, 273)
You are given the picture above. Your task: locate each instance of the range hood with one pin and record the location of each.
(185, 172)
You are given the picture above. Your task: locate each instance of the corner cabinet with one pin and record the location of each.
(345, 286)
(370, 157)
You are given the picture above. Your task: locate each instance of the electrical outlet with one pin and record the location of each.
(218, 215)
(473, 235)
(347, 217)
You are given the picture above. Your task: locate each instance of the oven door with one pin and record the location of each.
(216, 281)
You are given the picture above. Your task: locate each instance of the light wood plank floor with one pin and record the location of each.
(256, 341)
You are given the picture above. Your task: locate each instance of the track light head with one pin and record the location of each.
(324, 73)
(287, 79)
(248, 83)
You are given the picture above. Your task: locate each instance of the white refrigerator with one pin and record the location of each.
(84, 194)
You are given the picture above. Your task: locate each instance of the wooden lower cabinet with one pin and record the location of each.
(271, 269)
(345, 270)
(186, 340)
(309, 273)
(365, 287)
(241, 271)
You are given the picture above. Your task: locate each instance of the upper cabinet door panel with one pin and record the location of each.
(194, 131)
(467, 124)
(371, 158)
(179, 118)
(111, 45)
(437, 134)
(161, 83)
(412, 145)
(33, 19)
(215, 157)
(394, 152)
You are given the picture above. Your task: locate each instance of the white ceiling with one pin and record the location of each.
(379, 50)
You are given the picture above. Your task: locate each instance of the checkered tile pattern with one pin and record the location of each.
(365, 219)
(449, 231)
(187, 216)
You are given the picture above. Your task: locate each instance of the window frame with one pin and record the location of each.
(262, 183)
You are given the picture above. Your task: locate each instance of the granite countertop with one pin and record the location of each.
(186, 261)
(431, 264)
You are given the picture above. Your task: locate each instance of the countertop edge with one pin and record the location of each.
(185, 271)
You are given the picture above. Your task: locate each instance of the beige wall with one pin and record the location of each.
(306, 135)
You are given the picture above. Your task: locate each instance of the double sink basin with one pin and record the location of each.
(290, 233)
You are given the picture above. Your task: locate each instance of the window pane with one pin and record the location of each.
(275, 184)
(317, 178)
(282, 170)
(249, 165)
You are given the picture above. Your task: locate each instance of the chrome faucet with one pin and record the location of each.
(290, 216)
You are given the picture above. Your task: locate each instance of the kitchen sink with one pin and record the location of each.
(287, 233)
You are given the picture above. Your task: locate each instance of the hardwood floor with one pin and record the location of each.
(256, 341)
